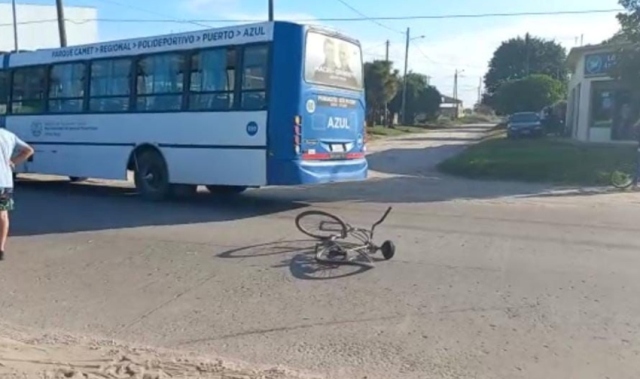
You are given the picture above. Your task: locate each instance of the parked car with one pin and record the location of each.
(525, 124)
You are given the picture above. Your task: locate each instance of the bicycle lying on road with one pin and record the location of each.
(332, 233)
(626, 174)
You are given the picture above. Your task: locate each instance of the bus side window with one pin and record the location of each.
(254, 77)
(159, 82)
(27, 93)
(110, 85)
(212, 79)
(4, 92)
(66, 88)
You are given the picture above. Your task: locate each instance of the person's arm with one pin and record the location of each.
(24, 152)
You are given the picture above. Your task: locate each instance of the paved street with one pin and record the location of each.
(490, 280)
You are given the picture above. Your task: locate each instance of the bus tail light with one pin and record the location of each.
(297, 132)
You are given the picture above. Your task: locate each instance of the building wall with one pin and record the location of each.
(39, 35)
(579, 105)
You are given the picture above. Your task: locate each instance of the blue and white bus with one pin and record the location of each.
(230, 108)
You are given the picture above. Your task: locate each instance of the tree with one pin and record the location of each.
(520, 57)
(627, 67)
(530, 94)
(422, 99)
(381, 85)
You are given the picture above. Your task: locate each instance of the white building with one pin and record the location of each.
(599, 108)
(38, 28)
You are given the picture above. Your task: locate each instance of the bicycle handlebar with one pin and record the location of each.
(384, 216)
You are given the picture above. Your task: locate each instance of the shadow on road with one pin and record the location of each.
(445, 139)
(300, 259)
(45, 207)
(400, 174)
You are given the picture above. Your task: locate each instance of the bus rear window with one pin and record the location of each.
(333, 62)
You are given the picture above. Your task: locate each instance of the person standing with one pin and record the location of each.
(9, 145)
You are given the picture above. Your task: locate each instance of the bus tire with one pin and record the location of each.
(151, 176)
(226, 190)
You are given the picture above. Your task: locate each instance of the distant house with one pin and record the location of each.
(450, 107)
(599, 108)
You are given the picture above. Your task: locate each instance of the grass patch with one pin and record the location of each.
(381, 131)
(541, 160)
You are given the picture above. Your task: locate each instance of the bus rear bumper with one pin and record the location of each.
(318, 172)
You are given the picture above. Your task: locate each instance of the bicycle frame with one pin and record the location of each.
(364, 236)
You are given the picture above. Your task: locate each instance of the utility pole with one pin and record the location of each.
(480, 90)
(15, 25)
(271, 10)
(61, 28)
(386, 55)
(386, 104)
(404, 79)
(455, 93)
(428, 79)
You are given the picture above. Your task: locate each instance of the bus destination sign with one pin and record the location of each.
(205, 38)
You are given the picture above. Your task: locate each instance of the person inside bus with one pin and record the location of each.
(345, 67)
(325, 72)
(9, 143)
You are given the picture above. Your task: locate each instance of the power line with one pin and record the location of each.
(367, 17)
(151, 12)
(204, 22)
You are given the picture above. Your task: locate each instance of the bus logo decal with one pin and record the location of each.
(36, 128)
(338, 123)
(252, 128)
(311, 106)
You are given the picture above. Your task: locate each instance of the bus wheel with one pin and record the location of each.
(226, 190)
(76, 179)
(151, 176)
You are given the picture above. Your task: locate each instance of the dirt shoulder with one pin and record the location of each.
(24, 354)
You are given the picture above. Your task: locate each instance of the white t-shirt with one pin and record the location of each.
(8, 143)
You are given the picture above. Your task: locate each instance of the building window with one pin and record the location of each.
(602, 105)
(160, 81)
(66, 88)
(110, 85)
(4, 91)
(627, 114)
(27, 93)
(213, 75)
(254, 77)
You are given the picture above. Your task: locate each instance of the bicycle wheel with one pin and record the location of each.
(622, 177)
(321, 225)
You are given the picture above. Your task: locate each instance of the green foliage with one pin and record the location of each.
(540, 160)
(529, 94)
(422, 99)
(627, 67)
(520, 57)
(381, 85)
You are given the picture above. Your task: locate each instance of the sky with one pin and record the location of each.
(438, 47)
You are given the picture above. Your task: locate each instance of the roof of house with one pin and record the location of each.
(450, 100)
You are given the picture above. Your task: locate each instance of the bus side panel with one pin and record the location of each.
(199, 147)
(284, 99)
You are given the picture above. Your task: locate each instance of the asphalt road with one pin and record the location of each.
(491, 280)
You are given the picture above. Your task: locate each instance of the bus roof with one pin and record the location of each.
(232, 35)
